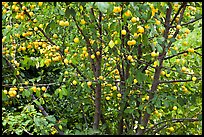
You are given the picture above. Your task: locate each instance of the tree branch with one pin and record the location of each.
(88, 47)
(174, 120)
(181, 80)
(177, 13)
(181, 53)
(194, 20)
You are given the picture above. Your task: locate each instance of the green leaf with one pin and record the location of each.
(42, 101)
(37, 102)
(64, 91)
(166, 103)
(51, 118)
(148, 110)
(145, 39)
(111, 44)
(42, 63)
(106, 49)
(200, 117)
(38, 93)
(172, 40)
(102, 6)
(140, 76)
(60, 95)
(159, 48)
(14, 82)
(37, 121)
(27, 93)
(141, 107)
(4, 97)
(69, 12)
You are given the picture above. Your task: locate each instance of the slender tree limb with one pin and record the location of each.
(88, 47)
(198, 53)
(184, 24)
(155, 82)
(181, 80)
(174, 120)
(181, 53)
(82, 107)
(177, 13)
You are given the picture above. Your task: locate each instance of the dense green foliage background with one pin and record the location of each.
(101, 68)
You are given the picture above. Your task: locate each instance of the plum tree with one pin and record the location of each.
(102, 68)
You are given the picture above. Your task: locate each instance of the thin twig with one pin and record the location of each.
(180, 80)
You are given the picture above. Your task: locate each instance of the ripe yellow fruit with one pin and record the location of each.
(167, 75)
(84, 48)
(98, 53)
(61, 23)
(21, 89)
(178, 36)
(66, 50)
(41, 26)
(43, 88)
(136, 35)
(35, 20)
(190, 50)
(17, 73)
(163, 73)
(156, 112)
(117, 9)
(89, 83)
(147, 97)
(140, 29)
(40, 3)
(129, 57)
(107, 98)
(194, 78)
(171, 129)
(119, 95)
(83, 22)
(12, 93)
(157, 22)
(178, 27)
(134, 19)
(143, 99)
(76, 40)
(153, 54)
(34, 89)
(114, 88)
(74, 82)
(128, 13)
(100, 77)
(16, 9)
(183, 69)
(170, 36)
(5, 91)
(55, 36)
(187, 31)
(175, 108)
(66, 61)
(185, 43)
(26, 83)
(123, 32)
(66, 72)
(185, 54)
(31, 13)
(135, 81)
(131, 42)
(93, 56)
(24, 8)
(66, 23)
